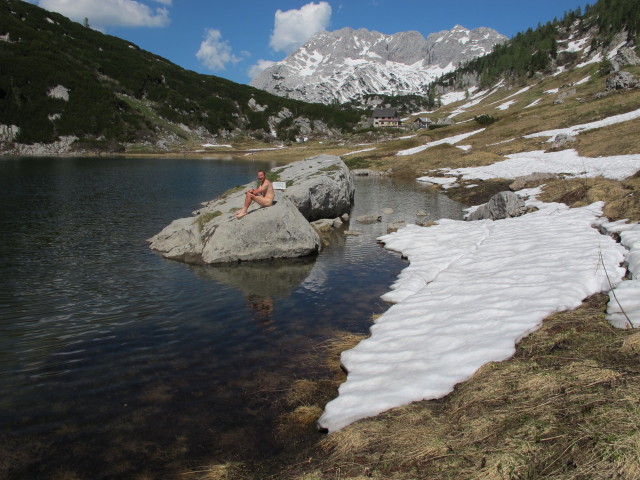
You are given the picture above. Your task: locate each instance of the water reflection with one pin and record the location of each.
(260, 282)
(267, 278)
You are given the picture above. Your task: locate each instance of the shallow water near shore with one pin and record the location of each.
(117, 363)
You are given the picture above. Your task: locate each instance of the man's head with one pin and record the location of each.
(261, 175)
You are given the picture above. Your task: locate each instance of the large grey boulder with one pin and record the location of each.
(318, 187)
(501, 205)
(279, 231)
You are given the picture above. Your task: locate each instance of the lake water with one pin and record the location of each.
(117, 363)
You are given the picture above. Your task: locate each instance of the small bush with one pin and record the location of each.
(485, 119)
(357, 162)
(605, 67)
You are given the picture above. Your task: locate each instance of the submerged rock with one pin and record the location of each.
(396, 225)
(369, 218)
(214, 235)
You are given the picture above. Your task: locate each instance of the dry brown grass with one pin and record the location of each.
(227, 471)
(620, 139)
(565, 407)
(622, 199)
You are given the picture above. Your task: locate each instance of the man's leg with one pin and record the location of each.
(247, 202)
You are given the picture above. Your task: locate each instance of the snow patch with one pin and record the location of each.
(59, 92)
(471, 291)
(450, 140)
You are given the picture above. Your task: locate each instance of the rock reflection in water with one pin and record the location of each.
(260, 282)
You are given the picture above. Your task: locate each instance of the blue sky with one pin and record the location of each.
(234, 39)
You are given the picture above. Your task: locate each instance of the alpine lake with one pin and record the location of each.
(118, 363)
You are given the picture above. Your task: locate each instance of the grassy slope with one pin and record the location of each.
(565, 406)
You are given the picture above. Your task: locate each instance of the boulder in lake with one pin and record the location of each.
(318, 187)
(279, 231)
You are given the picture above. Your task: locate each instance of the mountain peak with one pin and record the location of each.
(345, 64)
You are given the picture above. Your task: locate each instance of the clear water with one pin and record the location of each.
(115, 362)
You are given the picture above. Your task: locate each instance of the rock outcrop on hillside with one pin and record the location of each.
(318, 187)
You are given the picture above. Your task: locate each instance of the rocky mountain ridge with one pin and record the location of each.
(347, 64)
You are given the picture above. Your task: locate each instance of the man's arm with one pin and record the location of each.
(263, 188)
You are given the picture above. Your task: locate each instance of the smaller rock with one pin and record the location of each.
(352, 232)
(323, 225)
(387, 211)
(344, 217)
(501, 205)
(561, 140)
(395, 226)
(562, 96)
(421, 213)
(369, 219)
(337, 222)
(428, 223)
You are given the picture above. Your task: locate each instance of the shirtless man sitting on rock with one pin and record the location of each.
(263, 195)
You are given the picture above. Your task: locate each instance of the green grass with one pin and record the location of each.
(205, 218)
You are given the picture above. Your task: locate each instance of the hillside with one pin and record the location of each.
(607, 32)
(60, 79)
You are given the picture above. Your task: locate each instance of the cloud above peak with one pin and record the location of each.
(215, 53)
(112, 13)
(294, 27)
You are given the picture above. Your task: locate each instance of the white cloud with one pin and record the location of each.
(294, 27)
(103, 13)
(259, 67)
(214, 52)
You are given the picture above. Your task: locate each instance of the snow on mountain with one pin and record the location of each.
(345, 64)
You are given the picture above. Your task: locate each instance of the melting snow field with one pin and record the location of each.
(474, 289)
